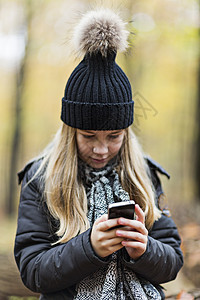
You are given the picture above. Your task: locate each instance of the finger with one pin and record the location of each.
(140, 214)
(107, 236)
(116, 247)
(112, 242)
(108, 224)
(112, 249)
(101, 219)
(135, 245)
(133, 224)
(132, 235)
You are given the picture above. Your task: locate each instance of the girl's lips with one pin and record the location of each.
(99, 160)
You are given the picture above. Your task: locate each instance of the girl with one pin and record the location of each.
(66, 247)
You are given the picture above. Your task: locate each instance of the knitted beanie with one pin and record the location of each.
(98, 93)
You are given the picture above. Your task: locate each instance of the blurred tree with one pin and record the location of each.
(17, 124)
(197, 150)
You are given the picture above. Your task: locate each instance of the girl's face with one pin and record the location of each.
(97, 148)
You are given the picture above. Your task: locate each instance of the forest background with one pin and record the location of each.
(36, 59)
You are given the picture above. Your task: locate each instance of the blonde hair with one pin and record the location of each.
(135, 177)
(65, 194)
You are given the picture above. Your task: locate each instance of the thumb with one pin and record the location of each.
(140, 216)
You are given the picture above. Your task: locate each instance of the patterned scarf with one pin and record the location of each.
(115, 281)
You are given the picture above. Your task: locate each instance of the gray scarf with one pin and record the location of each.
(115, 281)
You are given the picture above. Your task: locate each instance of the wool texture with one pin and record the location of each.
(114, 281)
(98, 94)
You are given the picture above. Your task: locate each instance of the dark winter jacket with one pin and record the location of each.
(54, 271)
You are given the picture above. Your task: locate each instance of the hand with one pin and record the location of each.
(134, 234)
(103, 237)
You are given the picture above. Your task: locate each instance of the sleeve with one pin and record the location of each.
(45, 268)
(163, 257)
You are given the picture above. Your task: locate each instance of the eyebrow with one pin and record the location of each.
(88, 131)
(117, 131)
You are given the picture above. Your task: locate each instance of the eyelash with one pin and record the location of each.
(114, 136)
(88, 136)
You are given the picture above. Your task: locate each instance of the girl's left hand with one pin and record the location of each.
(135, 234)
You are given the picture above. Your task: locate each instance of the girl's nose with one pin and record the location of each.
(100, 148)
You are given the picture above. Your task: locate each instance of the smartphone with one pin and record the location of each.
(125, 209)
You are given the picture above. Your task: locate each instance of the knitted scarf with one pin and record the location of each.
(115, 281)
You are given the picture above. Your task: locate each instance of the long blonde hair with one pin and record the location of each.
(65, 194)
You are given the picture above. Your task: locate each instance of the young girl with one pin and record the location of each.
(66, 247)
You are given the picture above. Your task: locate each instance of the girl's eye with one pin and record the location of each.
(88, 136)
(114, 136)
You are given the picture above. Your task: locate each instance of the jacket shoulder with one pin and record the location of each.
(154, 170)
(31, 166)
(156, 167)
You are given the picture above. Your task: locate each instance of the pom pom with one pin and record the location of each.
(100, 31)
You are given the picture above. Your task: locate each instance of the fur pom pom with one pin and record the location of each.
(100, 31)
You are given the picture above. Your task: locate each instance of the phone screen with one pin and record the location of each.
(124, 209)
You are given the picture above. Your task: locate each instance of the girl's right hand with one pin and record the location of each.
(103, 236)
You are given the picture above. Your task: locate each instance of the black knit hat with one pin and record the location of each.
(98, 93)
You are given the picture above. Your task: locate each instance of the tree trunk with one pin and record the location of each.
(10, 281)
(197, 146)
(17, 123)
